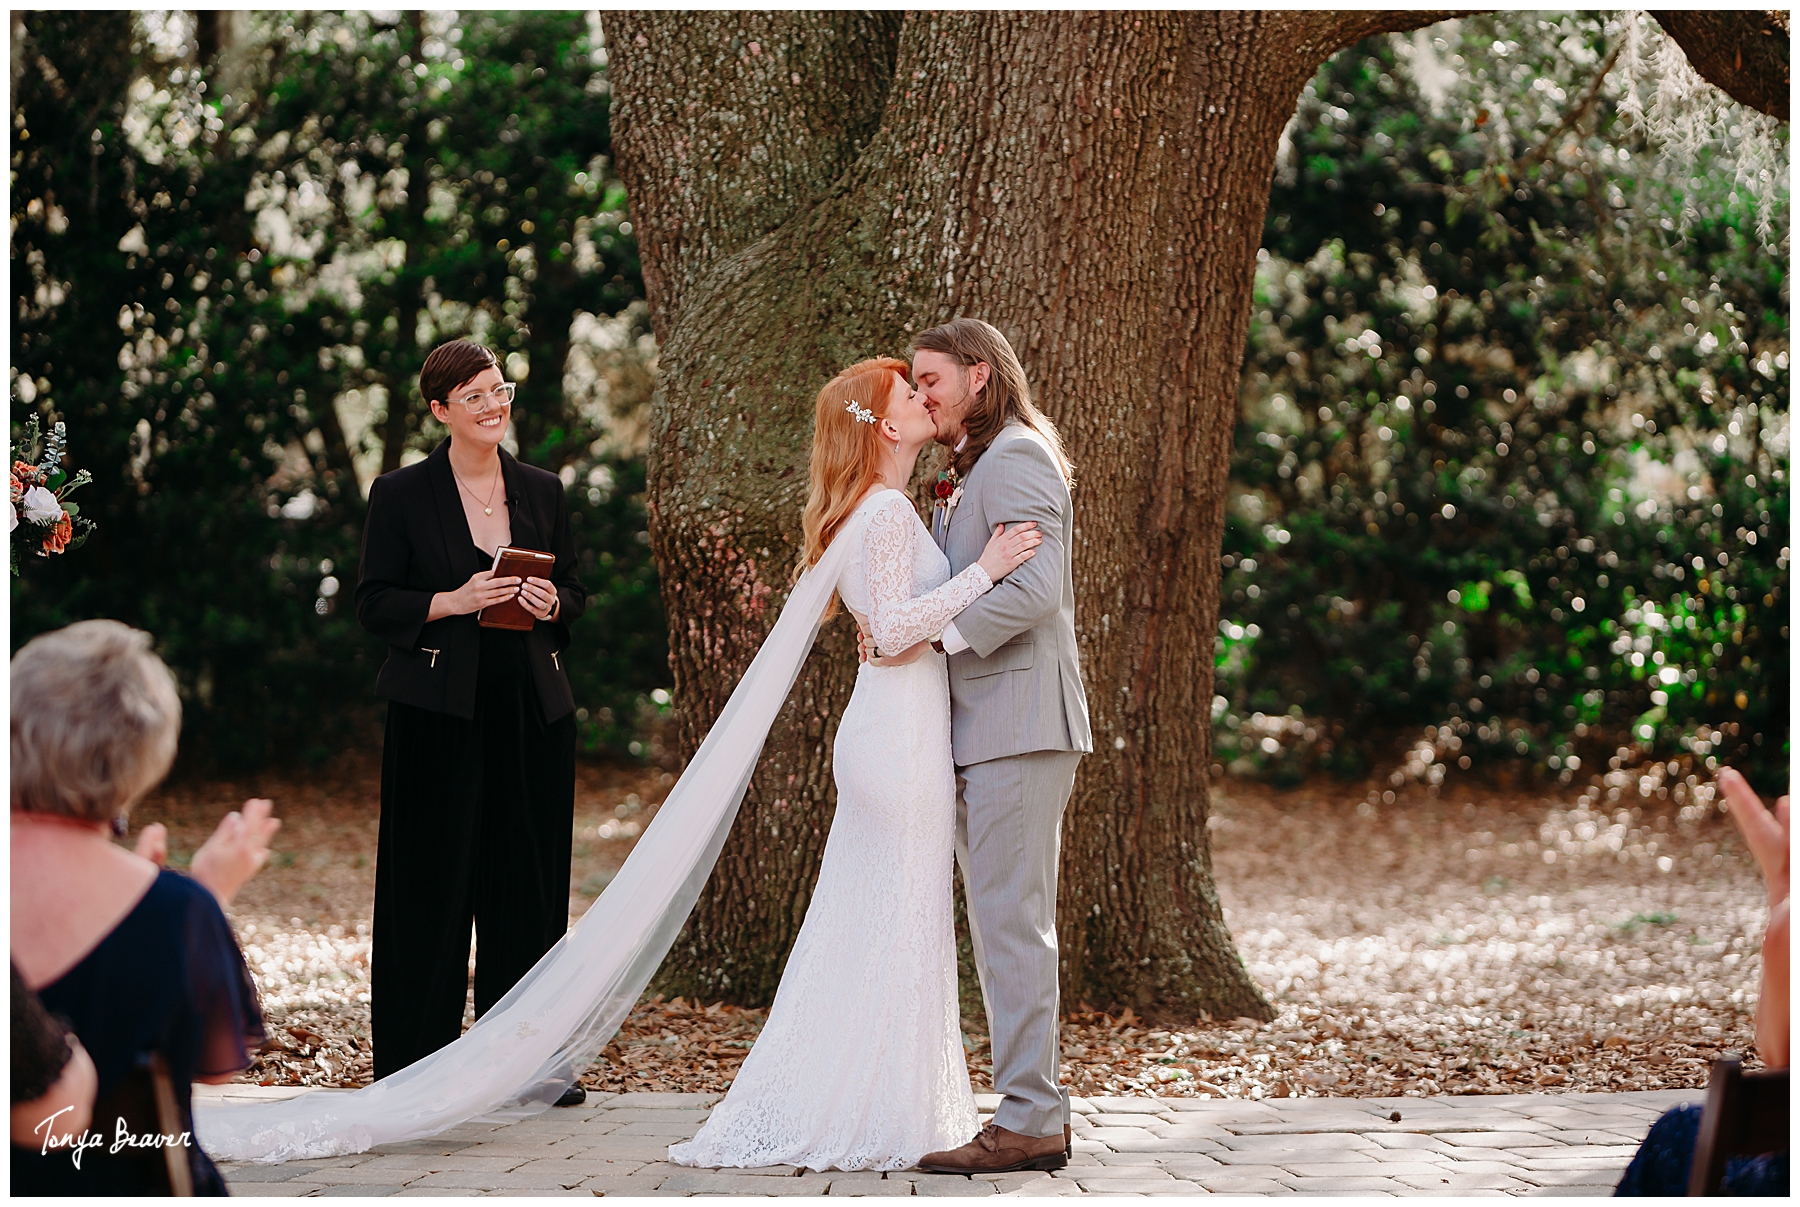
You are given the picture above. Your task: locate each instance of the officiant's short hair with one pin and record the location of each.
(95, 718)
(449, 365)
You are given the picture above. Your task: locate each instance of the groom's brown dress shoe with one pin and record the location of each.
(996, 1150)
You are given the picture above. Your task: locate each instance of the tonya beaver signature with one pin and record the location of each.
(123, 1137)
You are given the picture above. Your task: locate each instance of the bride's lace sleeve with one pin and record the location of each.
(897, 617)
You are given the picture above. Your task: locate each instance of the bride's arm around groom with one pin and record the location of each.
(1027, 622)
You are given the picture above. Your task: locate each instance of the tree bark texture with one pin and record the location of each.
(1094, 185)
(1743, 54)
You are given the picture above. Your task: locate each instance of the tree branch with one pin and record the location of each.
(1574, 117)
(1743, 54)
(1319, 35)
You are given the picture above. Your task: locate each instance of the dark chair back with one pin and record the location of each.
(1746, 1115)
(144, 1103)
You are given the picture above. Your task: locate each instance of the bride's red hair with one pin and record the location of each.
(846, 452)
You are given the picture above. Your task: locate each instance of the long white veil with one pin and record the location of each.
(533, 1043)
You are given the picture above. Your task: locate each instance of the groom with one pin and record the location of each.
(1019, 724)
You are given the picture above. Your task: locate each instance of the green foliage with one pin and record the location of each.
(227, 275)
(622, 636)
(1659, 918)
(1513, 456)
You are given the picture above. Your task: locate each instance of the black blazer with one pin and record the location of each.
(416, 543)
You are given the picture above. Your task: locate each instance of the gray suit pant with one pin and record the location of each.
(1008, 843)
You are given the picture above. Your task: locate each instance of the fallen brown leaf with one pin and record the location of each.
(1425, 949)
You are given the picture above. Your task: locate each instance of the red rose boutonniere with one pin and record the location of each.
(948, 491)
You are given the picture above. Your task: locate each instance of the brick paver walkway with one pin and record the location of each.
(1527, 1144)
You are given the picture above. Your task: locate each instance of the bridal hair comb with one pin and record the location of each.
(861, 414)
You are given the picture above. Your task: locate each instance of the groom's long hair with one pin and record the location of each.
(1006, 398)
(846, 452)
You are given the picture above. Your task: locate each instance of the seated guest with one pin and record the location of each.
(1663, 1162)
(139, 963)
(52, 1074)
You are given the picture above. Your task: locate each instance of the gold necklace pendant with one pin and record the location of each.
(486, 507)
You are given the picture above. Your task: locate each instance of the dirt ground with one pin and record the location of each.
(1478, 941)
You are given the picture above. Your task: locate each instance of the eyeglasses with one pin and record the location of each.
(500, 396)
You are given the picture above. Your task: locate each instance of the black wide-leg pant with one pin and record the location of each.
(476, 821)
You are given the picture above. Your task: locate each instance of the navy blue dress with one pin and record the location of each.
(1664, 1160)
(169, 979)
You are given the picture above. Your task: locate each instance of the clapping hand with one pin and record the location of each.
(237, 850)
(1765, 831)
(153, 843)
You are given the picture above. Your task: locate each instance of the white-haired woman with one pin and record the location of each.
(139, 962)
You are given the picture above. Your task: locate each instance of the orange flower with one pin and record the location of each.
(59, 535)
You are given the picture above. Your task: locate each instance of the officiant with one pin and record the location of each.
(478, 757)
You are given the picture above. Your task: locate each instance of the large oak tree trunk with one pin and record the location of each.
(1094, 185)
(725, 127)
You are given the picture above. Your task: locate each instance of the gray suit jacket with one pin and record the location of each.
(1017, 689)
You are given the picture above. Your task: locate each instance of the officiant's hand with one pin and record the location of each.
(482, 590)
(1010, 548)
(538, 597)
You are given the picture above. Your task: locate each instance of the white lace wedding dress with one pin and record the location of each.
(860, 1065)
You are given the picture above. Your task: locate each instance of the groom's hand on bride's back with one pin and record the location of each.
(867, 652)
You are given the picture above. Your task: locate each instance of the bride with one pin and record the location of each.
(860, 1065)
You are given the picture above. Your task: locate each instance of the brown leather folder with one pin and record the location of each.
(515, 563)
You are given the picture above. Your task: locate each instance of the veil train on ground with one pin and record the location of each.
(523, 1053)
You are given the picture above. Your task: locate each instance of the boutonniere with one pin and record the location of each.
(948, 491)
